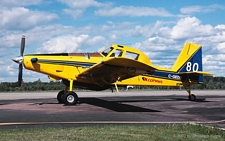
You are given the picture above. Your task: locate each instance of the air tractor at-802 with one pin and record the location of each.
(115, 66)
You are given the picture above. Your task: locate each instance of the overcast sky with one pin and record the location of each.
(158, 28)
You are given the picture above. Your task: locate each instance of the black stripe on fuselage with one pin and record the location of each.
(68, 63)
(52, 54)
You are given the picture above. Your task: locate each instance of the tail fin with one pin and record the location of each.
(189, 60)
(189, 64)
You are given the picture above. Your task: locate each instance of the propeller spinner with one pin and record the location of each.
(19, 60)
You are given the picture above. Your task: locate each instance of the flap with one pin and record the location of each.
(116, 69)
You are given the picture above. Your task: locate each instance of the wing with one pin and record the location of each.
(116, 69)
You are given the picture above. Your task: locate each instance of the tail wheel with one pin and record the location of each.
(60, 96)
(192, 97)
(70, 98)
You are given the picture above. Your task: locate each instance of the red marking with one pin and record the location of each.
(151, 80)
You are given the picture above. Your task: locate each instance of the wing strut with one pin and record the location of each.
(116, 88)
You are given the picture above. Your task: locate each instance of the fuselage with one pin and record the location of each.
(68, 66)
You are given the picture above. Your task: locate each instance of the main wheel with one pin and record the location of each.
(192, 97)
(70, 98)
(60, 96)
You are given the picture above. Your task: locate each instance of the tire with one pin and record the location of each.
(60, 96)
(192, 97)
(70, 98)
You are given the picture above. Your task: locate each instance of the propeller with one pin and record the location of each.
(19, 60)
(22, 46)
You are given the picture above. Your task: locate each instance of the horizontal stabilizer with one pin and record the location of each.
(197, 73)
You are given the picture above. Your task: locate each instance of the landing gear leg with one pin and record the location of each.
(70, 97)
(187, 86)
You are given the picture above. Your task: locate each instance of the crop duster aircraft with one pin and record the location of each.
(118, 65)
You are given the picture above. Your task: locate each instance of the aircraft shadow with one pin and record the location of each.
(197, 100)
(114, 105)
(154, 99)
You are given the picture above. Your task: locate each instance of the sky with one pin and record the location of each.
(158, 28)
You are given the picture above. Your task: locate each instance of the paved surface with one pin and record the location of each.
(31, 110)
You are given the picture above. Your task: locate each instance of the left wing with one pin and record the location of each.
(116, 69)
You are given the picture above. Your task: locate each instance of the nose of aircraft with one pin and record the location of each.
(18, 60)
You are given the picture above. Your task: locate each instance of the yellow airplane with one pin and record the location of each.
(117, 66)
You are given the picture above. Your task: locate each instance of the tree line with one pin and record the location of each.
(31, 86)
(209, 83)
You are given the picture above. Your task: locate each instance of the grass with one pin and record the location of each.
(181, 132)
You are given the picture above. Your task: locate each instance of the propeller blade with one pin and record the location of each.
(20, 79)
(22, 45)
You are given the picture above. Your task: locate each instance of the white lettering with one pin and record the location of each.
(174, 76)
(192, 67)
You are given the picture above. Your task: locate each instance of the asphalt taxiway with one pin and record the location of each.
(41, 109)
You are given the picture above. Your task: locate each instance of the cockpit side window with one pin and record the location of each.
(117, 53)
(132, 55)
(107, 51)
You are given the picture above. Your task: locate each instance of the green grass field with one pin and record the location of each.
(181, 132)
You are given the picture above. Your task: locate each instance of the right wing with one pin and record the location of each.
(116, 69)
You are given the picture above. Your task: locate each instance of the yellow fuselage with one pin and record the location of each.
(68, 66)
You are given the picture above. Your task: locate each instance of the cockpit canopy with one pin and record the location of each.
(126, 52)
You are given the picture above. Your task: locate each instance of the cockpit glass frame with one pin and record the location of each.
(117, 53)
(132, 55)
(107, 51)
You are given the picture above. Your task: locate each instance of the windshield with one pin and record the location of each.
(107, 51)
(117, 53)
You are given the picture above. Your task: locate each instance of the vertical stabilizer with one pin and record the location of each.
(190, 59)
